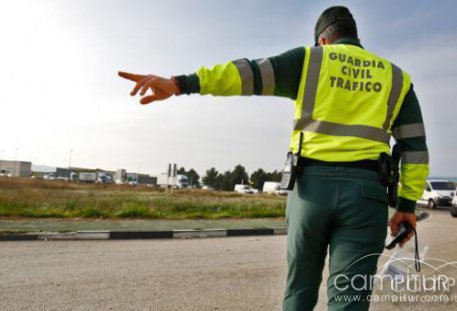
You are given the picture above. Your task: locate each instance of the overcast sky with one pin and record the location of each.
(60, 91)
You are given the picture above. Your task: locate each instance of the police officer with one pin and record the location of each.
(348, 103)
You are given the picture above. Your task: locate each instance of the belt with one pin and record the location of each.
(364, 164)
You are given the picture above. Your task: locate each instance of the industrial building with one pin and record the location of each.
(120, 176)
(16, 168)
(62, 173)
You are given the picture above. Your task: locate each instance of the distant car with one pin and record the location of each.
(273, 187)
(50, 176)
(243, 189)
(104, 179)
(438, 193)
(207, 187)
(454, 206)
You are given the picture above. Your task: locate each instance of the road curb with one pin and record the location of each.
(137, 235)
(147, 235)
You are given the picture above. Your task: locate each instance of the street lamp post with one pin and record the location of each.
(15, 160)
(69, 165)
(1, 159)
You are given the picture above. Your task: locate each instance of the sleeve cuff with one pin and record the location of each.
(188, 84)
(406, 206)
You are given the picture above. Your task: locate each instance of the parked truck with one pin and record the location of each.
(180, 181)
(85, 177)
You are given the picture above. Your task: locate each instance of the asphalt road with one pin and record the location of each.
(246, 273)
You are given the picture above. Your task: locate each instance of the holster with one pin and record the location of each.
(389, 175)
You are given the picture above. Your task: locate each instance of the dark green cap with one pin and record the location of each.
(331, 16)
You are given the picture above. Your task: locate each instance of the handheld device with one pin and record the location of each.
(404, 229)
(289, 174)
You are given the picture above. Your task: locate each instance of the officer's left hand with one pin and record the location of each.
(398, 218)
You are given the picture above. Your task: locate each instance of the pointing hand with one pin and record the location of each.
(161, 88)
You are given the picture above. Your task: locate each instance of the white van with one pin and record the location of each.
(243, 189)
(273, 187)
(438, 193)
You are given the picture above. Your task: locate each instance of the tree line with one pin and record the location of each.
(227, 180)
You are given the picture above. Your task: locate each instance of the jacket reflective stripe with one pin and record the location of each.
(362, 131)
(409, 130)
(395, 91)
(247, 76)
(312, 80)
(267, 75)
(414, 157)
(335, 129)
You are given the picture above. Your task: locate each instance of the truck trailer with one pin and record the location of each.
(85, 177)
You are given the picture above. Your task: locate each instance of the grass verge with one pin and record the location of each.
(53, 199)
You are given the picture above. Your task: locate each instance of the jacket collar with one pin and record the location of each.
(347, 40)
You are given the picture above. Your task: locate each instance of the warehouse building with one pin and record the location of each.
(120, 176)
(16, 168)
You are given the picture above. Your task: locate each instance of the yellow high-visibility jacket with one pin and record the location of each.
(349, 102)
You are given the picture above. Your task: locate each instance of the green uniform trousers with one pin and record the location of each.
(345, 211)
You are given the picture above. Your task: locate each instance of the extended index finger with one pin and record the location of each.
(130, 76)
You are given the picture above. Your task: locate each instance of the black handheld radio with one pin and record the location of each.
(403, 231)
(289, 174)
